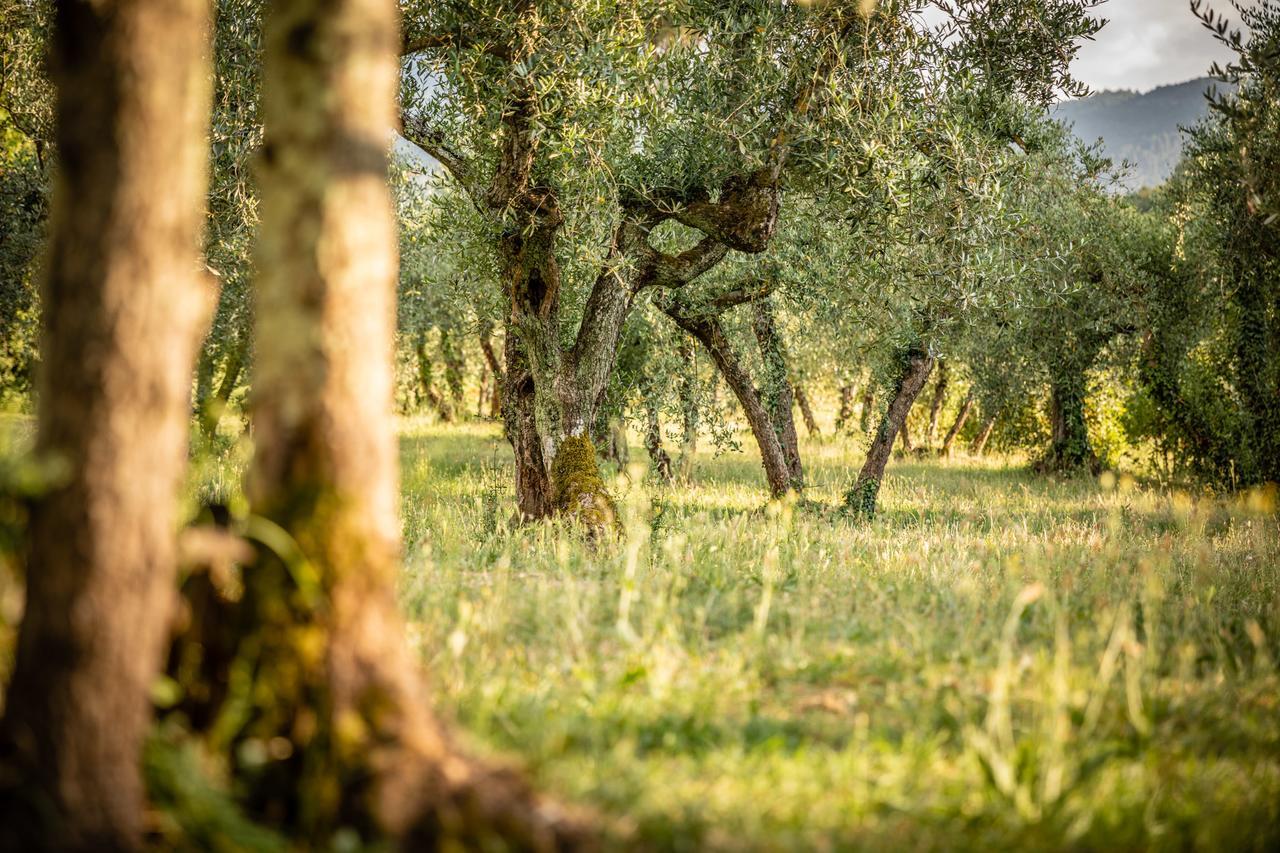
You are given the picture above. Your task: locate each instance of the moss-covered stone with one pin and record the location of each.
(577, 490)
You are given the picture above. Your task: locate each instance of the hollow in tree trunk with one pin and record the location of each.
(915, 365)
(965, 408)
(124, 310)
(337, 694)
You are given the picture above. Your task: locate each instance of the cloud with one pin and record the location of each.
(1149, 43)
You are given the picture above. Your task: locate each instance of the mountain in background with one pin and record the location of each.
(1142, 128)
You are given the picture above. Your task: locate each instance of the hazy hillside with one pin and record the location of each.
(1140, 128)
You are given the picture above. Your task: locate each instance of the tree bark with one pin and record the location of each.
(916, 364)
(687, 388)
(124, 310)
(984, 436)
(653, 442)
(845, 417)
(779, 400)
(868, 403)
(806, 411)
(965, 408)
(706, 329)
(939, 397)
(338, 695)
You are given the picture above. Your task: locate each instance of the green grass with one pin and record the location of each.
(997, 661)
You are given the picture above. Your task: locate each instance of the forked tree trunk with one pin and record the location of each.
(939, 397)
(338, 691)
(124, 309)
(778, 398)
(965, 408)
(806, 411)
(980, 444)
(708, 331)
(916, 364)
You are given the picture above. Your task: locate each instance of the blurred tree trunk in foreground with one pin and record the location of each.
(338, 734)
(124, 310)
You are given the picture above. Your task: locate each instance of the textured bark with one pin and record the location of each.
(806, 411)
(965, 408)
(777, 395)
(336, 680)
(706, 329)
(916, 365)
(124, 309)
(980, 444)
(939, 398)
(845, 416)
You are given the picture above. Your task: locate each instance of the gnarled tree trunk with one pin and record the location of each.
(124, 309)
(653, 442)
(916, 363)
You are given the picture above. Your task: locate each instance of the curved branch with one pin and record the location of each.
(678, 270)
(432, 140)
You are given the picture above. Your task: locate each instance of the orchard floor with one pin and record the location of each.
(997, 661)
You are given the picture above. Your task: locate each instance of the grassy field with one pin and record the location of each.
(998, 661)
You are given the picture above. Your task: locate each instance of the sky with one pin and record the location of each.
(1150, 43)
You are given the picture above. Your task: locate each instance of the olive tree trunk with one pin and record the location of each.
(806, 412)
(965, 408)
(778, 397)
(844, 418)
(707, 330)
(124, 310)
(338, 694)
(916, 364)
(1070, 448)
(980, 444)
(939, 398)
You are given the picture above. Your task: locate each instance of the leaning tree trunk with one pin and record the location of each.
(806, 411)
(708, 331)
(778, 397)
(965, 408)
(1070, 448)
(124, 309)
(916, 365)
(984, 436)
(337, 693)
(939, 397)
